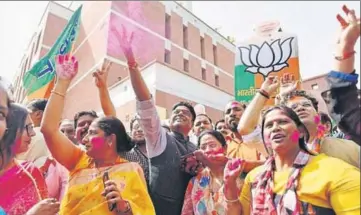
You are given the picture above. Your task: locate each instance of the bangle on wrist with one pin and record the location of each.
(56, 93)
(127, 210)
(345, 56)
(229, 200)
(264, 93)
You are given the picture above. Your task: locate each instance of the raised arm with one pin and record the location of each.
(100, 78)
(61, 148)
(345, 48)
(250, 117)
(155, 135)
(342, 97)
(232, 172)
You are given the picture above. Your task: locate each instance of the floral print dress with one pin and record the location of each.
(199, 198)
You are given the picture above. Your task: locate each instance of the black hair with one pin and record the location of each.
(292, 115)
(131, 123)
(215, 134)
(205, 115)
(304, 94)
(66, 120)
(112, 125)
(325, 118)
(188, 106)
(219, 121)
(3, 90)
(84, 113)
(243, 104)
(37, 104)
(15, 124)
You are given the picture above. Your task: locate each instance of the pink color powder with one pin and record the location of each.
(145, 45)
(234, 104)
(317, 119)
(295, 136)
(97, 142)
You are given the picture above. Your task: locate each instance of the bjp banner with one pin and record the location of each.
(269, 52)
(39, 80)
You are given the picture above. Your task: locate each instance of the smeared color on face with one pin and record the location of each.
(295, 136)
(97, 143)
(317, 119)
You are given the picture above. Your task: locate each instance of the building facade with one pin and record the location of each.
(180, 56)
(315, 86)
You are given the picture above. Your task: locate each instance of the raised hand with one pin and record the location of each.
(66, 67)
(100, 76)
(270, 85)
(233, 170)
(45, 207)
(288, 84)
(350, 29)
(125, 42)
(232, 173)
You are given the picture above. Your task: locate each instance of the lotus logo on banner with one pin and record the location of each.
(267, 58)
(270, 51)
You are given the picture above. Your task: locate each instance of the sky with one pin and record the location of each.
(314, 23)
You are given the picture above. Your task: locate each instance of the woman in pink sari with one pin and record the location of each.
(23, 188)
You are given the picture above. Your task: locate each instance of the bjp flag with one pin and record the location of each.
(269, 52)
(39, 80)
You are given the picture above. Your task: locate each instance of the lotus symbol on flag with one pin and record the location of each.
(267, 58)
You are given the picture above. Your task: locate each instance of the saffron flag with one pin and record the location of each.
(269, 52)
(39, 80)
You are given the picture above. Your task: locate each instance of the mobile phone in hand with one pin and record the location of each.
(105, 179)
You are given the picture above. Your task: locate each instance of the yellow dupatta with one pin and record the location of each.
(83, 196)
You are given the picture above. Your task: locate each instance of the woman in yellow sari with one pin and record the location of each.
(90, 191)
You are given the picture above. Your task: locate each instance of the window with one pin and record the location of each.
(215, 54)
(185, 65)
(202, 48)
(185, 37)
(216, 80)
(167, 26)
(167, 56)
(204, 74)
(314, 86)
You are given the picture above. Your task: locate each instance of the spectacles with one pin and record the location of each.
(29, 129)
(302, 104)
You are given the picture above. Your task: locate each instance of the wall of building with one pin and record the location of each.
(187, 50)
(315, 86)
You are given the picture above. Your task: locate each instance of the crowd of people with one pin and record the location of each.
(273, 160)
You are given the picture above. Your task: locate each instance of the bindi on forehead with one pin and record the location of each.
(235, 104)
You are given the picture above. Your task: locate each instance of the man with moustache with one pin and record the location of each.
(82, 121)
(166, 150)
(201, 123)
(255, 152)
(67, 128)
